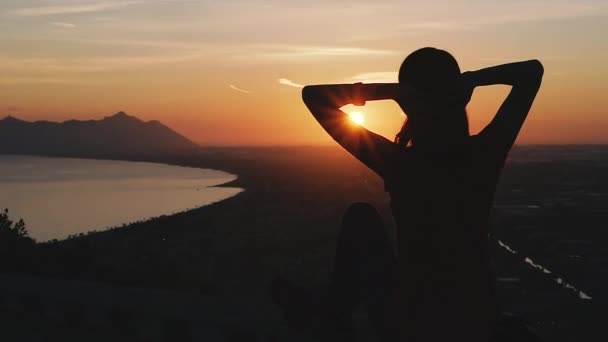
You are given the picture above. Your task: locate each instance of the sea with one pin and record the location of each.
(59, 197)
(550, 221)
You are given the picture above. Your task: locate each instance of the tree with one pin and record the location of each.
(10, 230)
(16, 246)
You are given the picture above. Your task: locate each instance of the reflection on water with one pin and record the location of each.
(57, 196)
(560, 281)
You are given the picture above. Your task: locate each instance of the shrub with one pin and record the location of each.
(16, 246)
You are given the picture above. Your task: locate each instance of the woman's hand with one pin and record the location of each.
(359, 97)
(363, 92)
(416, 102)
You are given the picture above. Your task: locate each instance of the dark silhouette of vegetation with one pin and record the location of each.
(11, 230)
(20, 254)
(15, 244)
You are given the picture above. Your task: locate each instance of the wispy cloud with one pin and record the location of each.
(538, 12)
(136, 43)
(10, 81)
(290, 83)
(321, 51)
(69, 9)
(498, 59)
(286, 53)
(233, 87)
(376, 77)
(101, 19)
(63, 25)
(95, 64)
(488, 15)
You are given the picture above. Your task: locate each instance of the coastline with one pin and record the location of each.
(286, 222)
(61, 197)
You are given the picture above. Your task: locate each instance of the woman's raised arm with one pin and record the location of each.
(525, 79)
(324, 102)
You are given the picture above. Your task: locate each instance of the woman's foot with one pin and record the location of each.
(514, 328)
(295, 303)
(311, 312)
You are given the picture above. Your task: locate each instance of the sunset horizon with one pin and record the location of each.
(268, 170)
(230, 82)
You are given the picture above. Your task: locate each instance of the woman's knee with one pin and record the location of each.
(362, 226)
(363, 254)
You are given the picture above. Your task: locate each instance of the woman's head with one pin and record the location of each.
(435, 117)
(431, 70)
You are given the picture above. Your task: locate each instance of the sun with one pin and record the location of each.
(357, 118)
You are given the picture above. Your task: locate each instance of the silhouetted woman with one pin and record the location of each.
(441, 181)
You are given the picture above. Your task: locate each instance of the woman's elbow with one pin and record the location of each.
(307, 94)
(314, 97)
(533, 74)
(537, 68)
(312, 94)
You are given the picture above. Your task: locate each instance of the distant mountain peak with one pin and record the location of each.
(122, 116)
(10, 118)
(120, 134)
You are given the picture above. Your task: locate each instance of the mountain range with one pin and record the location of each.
(116, 135)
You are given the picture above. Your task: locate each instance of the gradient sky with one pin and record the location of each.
(228, 72)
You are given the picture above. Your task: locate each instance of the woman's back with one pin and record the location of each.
(441, 204)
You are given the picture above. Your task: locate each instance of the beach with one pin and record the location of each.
(59, 197)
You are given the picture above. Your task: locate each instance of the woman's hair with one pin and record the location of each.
(434, 72)
(403, 137)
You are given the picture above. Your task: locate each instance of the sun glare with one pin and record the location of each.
(357, 118)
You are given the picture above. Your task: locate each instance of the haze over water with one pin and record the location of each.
(58, 196)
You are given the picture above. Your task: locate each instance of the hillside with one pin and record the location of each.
(117, 135)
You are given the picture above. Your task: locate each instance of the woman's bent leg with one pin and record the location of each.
(365, 267)
(364, 271)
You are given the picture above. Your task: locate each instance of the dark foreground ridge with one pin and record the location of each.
(119, 134)
(550, 208)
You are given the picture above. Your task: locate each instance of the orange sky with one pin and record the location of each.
(226, 73)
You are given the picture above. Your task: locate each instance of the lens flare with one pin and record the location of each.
(357, 118)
